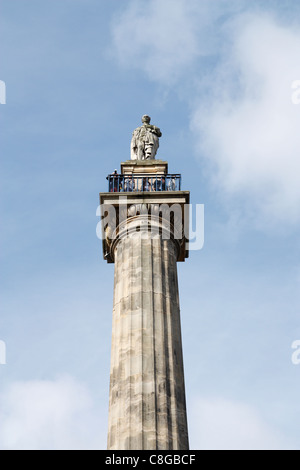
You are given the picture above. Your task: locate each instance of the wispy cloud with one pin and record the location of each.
(50, 414)
(219, 424)
(247, 127)
(163, 39)
(237, 70)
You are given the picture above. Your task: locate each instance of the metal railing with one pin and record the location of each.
(138, 183)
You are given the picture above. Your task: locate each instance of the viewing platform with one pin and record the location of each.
(141, 182)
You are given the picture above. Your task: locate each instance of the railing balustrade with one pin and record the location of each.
(138, 183)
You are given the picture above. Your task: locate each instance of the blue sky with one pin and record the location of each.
(216, 78)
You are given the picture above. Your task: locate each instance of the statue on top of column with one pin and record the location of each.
(145, 141)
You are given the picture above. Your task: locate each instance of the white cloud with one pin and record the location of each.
(218, 424)
(244, 121)
(163, 39)
(248, 128)
(48, 414)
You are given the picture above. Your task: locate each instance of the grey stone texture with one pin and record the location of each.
(145, 141)
(147, 408)
(121, 205)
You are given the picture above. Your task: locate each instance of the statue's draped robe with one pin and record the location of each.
(144, 143)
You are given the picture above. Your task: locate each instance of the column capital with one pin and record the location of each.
(158, 213)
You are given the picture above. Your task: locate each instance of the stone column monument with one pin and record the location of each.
(143, 236)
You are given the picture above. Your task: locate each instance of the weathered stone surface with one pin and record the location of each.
(147, 407)
(124, 206)
(156, 167)
(145, 141)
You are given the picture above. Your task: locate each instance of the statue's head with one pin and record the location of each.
(146, 119)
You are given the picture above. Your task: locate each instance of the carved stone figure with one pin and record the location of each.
(145, 141)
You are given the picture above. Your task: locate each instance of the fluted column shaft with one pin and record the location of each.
(147, 408)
